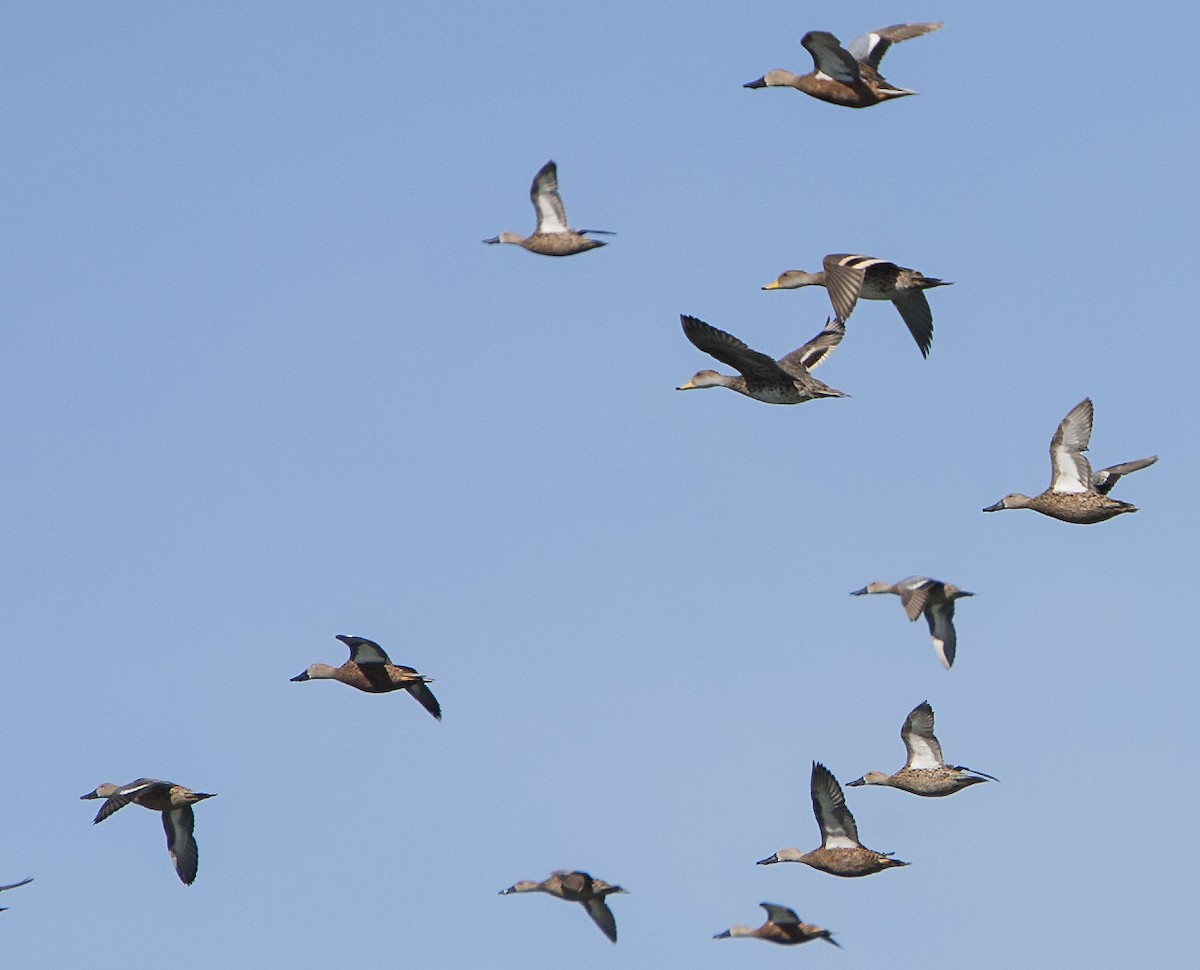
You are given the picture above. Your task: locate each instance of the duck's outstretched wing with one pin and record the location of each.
(1071, 471)
(729, 350)
(924, 751)
(551, 217)
(941, 630)
(598, 910)
(871, 46)
(1106, 478)
(364, 651)
(780, 915)
(844, 275)
(830, 57)
(179, 824)
(425, 696)
(914, 310)
(814, 353)
(838, 830)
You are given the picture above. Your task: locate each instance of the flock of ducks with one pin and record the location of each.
(847, 76)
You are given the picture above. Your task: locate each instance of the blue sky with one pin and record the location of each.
(263, 385)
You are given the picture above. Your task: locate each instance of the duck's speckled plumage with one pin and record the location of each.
(1076, 493)
(848, 76)
(840, 852)
(925, 772)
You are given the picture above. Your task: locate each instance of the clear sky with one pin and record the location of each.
(262, 385)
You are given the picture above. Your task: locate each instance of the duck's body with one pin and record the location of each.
(1076, 493)
(173, 801)
(783, 381)
(370, 670)
(783, 926)
(849, 277)
(848, 75)
(933, 598)
(552, 237)
(576, 887)
(925, 772)
(840, 852)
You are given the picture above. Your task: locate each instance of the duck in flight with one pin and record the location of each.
(840, 852)
(576, 887)
(849, 277)
(369, 669)
(783, 381)
(174, 801)
(925, 772)
(783, 926)
(553, 236)
(1076, 493)
(935, 599)
(848, 75)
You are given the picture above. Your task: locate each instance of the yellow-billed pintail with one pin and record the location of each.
(849, 277)
(783, 381)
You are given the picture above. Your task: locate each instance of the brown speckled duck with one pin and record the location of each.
(840, 853)
(926, 772)
(1076, 493)
(848, 75)
(552, 237)
(783, 926)
(783, 381)
(576, 887)
(370, 670)
(849, 277)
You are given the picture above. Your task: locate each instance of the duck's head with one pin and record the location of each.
(778, 78)
(702, 379)
(100, 791)
(792, 279)
(870, 778)
(1014, 500)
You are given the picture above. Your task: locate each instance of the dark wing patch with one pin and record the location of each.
(814, 353)
(179, 824)
(914, 308)
(598, 910)
(729, 350)
(423, 694)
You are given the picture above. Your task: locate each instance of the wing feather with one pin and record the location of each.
(1071, 471)
(551, 217)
